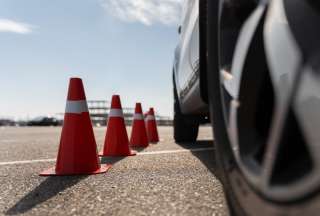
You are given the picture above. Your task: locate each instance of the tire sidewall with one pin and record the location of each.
(241, 197)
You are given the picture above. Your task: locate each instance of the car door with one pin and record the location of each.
(189, 46)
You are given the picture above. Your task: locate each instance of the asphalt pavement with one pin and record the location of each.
(163, 179)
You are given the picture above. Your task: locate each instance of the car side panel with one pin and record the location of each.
(187, 35)
(187, 61)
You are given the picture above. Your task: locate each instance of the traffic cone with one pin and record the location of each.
(152, 130)
(145, 115)
(77, 151)
(139, 136)
(116, 141)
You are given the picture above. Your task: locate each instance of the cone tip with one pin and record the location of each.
(76, 89)
(116, 102)
(138, 108)
(75, 79)
(151, 111)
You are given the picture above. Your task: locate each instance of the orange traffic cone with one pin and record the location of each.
(116, 142)
(139, 136)
(78, 151)
(145, 115)
(152, 130)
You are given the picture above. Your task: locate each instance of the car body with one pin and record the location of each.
(187, 64)
(44, 121)
(252, 67)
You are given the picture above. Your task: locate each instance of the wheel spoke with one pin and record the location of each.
(243, 74)
(306, 107)
(284, 77)
(232, 80)
(231, 76)
(277, 126)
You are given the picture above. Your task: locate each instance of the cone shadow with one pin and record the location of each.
(138, 149)
(111, 160)
(46, 190)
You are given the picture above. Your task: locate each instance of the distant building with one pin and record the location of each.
(99, 110)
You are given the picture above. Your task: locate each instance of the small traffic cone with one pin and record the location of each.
(145, 115)
(116, 141)
(77, 151)
(139, 136)
(152, 130)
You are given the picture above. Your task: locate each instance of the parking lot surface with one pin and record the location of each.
(163, 179)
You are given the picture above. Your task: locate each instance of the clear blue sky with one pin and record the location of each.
(115, 46)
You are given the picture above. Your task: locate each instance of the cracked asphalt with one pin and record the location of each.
(172, 183)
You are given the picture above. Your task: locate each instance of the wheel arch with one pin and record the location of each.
(203, 49)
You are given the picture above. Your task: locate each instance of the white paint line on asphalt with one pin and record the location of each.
(26, 162)
(8, 141)
(138, 153)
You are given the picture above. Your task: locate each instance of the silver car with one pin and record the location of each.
(252, 69)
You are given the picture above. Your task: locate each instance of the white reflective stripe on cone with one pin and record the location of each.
(116, 113)
(77, 107)
(150, 118)
(138, 116)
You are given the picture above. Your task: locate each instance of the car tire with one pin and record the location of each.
(244, 196)
(223, 152)
(185, 129)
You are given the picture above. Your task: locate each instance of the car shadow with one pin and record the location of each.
(49, 188)
(111, 160)
(207, 157)
(138, 149)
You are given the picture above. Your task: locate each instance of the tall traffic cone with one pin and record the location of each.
(152, 130)
(116, 141)
(77, 151)
(139, 136)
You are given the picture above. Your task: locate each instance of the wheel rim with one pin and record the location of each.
(264, 103)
